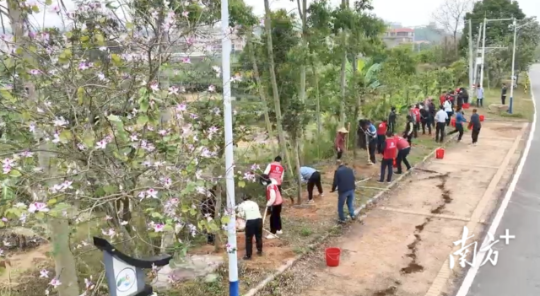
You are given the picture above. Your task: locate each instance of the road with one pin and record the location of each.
(518, 266)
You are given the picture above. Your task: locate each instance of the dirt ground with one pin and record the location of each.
(400, 247)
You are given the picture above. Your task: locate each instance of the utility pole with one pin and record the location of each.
(483, 54)
(514, 23)
(470, 55)
(229, 149)
(476, 52)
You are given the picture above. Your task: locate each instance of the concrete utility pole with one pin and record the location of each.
(514, 24)
(476, 52)
(483, 54)
(234, 287)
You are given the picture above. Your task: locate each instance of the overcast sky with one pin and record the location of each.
(407, 12)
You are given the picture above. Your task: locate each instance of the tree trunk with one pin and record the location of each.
(343, 85)
(302, 9)
(64, 260)
(357, 107)
(260, 89)
(318, 108)
(299, 176)
(275, 91)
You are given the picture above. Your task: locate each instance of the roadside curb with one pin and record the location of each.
(317, 241)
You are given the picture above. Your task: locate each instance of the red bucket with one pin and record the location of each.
(482, 117)
(332, 256)
(394, 164)
(453, 122)
(466, 105)
(439, 153)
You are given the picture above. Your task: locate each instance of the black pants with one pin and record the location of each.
(449, 117)
(459, 129)
(426, 122)
(314, 180)
(380, 143)
(372, 147)
(275, 219)
(459, 104)
(391, 126)
(339, 154)
(416, 128)
(409, 138)
(386, 165)
(402, 157)
(439, 132)
(479, 102)
(503, 99)
(474, 134)
(254, 228)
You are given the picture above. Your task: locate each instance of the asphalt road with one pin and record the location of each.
(517, 272)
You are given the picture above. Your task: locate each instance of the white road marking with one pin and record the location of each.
(471, 274)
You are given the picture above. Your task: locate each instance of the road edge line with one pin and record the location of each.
(471, 274)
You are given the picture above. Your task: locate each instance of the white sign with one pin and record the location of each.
(491, 256)
(479, 61)
(125, 278)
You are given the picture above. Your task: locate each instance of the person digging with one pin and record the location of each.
(273, 204)
(250, 212)
(313, 178)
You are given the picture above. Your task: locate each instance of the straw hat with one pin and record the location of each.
(343, 130)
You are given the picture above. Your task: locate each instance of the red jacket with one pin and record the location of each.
(416, 112)
(340, 141)
(390, 148)
(402, 143)
(442, 99)
(381, 129)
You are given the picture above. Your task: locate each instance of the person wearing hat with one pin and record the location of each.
(392, 119)
(274, 204)
(340, 141)
(250, 212)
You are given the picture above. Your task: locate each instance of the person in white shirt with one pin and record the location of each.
(448, 109)
(440, 122)
(249, 211)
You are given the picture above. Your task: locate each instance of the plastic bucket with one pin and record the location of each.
(482, 117)
(439, 153)
(332, 256)
(453, 122)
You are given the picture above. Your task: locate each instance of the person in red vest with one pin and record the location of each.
(442, 98)
(274, 203)
(276, 171)
(381, 135)
(404, 149)
(416, 113)
(389, 153)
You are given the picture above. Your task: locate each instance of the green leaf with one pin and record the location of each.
(48, 2)
(65, 136)
(15, 174)
(225, 219)
(168, 228)
(116, 59)
(51, 202)
(185, 208)
(142, 119)
(156, 215)
(2, 224)
(119, 156)
(241, 184)
(114, 118)
(88, 140)
(7, 94)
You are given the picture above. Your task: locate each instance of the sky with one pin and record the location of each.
(409, 13)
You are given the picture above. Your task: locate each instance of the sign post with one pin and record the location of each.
(125, 274)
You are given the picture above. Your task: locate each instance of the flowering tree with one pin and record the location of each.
(91, 132)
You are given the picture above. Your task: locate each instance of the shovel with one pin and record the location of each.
(264, 219)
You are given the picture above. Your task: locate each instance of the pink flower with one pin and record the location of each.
(181, 107)
(173, 90)
(185, 13)
(55, 283)
(154, 86)
(44, 273)
(101, 144)
(211, 88)
(158, 227)
(34, 72)
(186, 60)
(37, 207)
(152, 193)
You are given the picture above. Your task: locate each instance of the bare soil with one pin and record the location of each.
(400, 254)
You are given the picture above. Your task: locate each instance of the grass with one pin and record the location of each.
(523, 107)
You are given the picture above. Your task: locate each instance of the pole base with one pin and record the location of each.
(234, 288)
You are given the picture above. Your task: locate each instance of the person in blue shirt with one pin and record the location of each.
(460, 120)
(345, 183)
(313, 178)
(371, 133)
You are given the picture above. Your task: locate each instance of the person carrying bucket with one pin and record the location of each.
(460, 120)
(345, 182)
(276, 171)
(274, 204)
(250, 212)
(403, 151)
